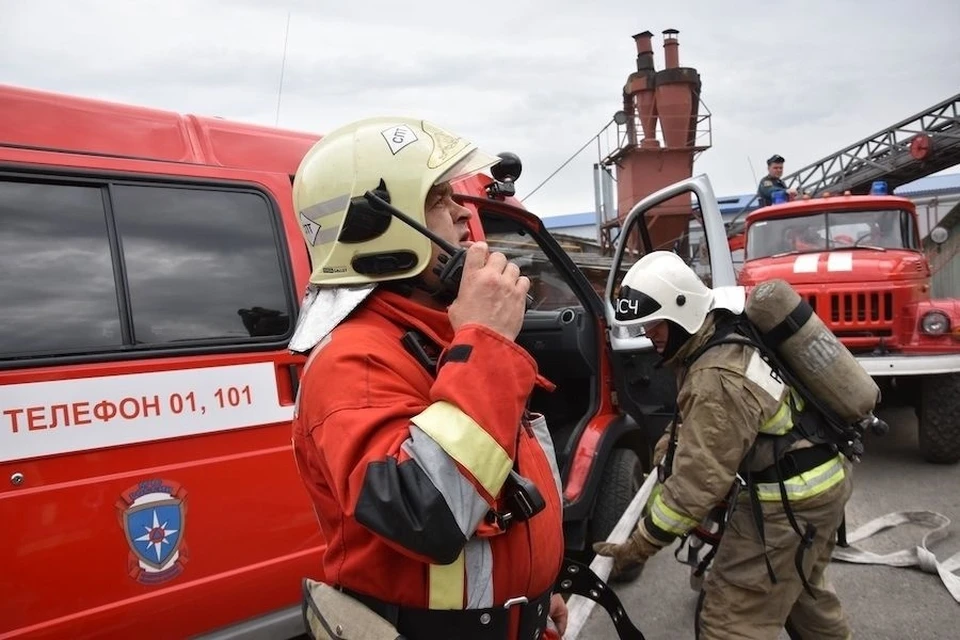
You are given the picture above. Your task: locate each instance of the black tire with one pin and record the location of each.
(939, 418)
(621, 479)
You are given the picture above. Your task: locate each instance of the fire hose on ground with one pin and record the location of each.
(919, 556)
(580, 607)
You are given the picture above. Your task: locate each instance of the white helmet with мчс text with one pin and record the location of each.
(661, 286)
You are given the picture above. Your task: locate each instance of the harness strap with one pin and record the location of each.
(579, 579)
(842, 533)
(757, 511)
(720, 334)
(809, 532)
(707, 559)
(422, 349)
(665, 468)
(795, 462)
(788, 326)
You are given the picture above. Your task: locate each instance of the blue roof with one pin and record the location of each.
(567, 220)
(735, 204)
(930, 185)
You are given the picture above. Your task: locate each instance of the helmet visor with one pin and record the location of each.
(470, 164)
(635, 306)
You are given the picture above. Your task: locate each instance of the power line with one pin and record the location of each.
(568, 161)
(283, 66)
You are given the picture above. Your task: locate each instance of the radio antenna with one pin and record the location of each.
(283, 65)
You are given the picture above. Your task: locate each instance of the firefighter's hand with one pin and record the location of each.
(492, 293)
(660, 449)
(632, 554)
(558, 613)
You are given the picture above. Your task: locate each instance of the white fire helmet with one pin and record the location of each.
(350, 243)
(661, 286)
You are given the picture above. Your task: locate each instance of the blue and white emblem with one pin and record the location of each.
(153, 515)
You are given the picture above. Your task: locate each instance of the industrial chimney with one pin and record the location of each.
(671, 97)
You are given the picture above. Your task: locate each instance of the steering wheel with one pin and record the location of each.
(862, 237)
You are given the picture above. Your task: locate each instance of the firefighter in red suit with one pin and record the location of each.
(409, 460)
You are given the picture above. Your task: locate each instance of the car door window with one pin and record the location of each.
(201, 264)
(695, 250)
(669, 227)
(57, 285)
(549, 290)
(101, 266)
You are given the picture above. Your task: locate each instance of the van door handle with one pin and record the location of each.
(294, 370)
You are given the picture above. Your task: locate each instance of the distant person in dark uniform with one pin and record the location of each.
(772, 182)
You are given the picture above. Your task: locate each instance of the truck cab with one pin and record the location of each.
(858, 261)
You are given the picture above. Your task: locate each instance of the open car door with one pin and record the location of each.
(684, 218)
(598, 448)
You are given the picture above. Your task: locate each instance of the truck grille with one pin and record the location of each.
(864, 311)
(861, 307)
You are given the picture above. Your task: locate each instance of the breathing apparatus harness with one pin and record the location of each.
(813, 421)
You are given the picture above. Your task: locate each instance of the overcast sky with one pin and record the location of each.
(536, 77)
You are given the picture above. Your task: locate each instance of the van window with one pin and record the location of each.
(99, 267)
(200, 264)
(56, 277)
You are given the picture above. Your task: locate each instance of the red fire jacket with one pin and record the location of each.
(404, 467)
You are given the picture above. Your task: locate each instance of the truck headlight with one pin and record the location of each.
(935, 323)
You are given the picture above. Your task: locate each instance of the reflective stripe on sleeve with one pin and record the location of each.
(657, 490)
(669, 520)
(467, 443)
(782, 421)
(466, 504)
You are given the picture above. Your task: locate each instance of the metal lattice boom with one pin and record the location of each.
(921, 145)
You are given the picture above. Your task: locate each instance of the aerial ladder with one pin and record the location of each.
(921, 145)
(918, 146)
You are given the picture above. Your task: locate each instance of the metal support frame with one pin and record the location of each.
(613, 143)
(887, 154)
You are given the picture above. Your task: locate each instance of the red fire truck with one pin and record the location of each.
(858, 261)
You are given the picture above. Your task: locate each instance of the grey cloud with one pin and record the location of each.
(538, 78)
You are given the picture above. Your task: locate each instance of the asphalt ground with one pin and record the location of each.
(880, 602)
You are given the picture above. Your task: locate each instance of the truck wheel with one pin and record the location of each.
(939, 418)
(621, 479)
